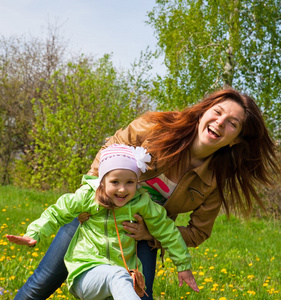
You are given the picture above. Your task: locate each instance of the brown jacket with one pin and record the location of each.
(196, 192)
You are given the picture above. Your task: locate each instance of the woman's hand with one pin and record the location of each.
(83, 217)
(138, 230)
(21, 240)
(188, 277)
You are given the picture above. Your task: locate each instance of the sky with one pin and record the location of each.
(90, 26)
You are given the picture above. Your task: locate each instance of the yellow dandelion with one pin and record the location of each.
(250, 264)
(250, 276)
(160, 273)
(201, 274)
(251, 292)
(211, 268)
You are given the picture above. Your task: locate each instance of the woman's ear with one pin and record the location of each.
(234, 142)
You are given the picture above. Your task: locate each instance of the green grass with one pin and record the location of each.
(240, 261)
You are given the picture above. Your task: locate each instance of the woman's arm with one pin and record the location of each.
(201, 222)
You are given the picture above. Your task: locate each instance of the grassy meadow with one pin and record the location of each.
(240, 261)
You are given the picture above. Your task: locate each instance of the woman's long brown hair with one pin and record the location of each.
(238, 169)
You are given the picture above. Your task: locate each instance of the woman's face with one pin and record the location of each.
(220, 125)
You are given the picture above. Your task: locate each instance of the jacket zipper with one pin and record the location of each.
(106, 234)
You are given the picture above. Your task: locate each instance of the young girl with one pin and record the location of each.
(93, 259)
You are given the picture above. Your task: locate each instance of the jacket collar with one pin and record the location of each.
(204, 172)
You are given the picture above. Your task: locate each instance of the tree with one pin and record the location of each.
(25, 65)
(82, 105)
(209, 44)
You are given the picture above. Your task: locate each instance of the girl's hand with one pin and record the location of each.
(138, 230)
(21, 240)
(83, 217)
(188, 277)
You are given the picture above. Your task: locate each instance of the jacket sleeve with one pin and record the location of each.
(133, 135)
(165, 231)
(201, 221)
(62, 212)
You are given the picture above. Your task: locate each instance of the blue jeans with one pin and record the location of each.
(51, 272)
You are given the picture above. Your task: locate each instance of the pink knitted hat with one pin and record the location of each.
(123, 157)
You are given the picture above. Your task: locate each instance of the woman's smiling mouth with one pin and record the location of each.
(212, 130)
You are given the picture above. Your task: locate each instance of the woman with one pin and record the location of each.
(211, 154)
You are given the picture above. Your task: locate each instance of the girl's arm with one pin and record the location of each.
(21, 240)
(64, 211)
(164, 230)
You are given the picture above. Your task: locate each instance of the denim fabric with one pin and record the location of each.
(147, 257)
(51, 272)
(104, 281)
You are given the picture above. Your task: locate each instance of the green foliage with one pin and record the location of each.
(241, 260)
(73, 116)
(23, 63)
(210, 44)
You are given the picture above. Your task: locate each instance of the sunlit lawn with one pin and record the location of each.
(240, 261)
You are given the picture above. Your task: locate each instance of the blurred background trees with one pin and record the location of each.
(57, 107)
(211, 44)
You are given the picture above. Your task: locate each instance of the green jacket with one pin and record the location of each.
(95, 242)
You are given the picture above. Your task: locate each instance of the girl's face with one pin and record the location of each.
(220, 125)
(120, 186)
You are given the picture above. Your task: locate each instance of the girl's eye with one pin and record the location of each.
(217, 111)
(233, 124)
